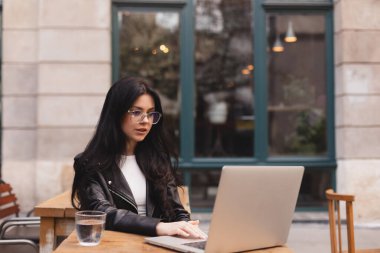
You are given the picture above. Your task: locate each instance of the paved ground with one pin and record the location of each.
(310, 233)
(315, 238)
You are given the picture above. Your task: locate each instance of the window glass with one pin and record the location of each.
(297, 85)
(149, 48)
(204, 186)
(225, 120)
(314, 183)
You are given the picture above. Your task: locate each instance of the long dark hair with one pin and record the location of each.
(153, 154)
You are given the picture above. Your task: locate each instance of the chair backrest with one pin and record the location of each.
(183, 192)
(8, 204)
(335, 220)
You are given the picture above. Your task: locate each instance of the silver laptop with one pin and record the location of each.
(253, 209)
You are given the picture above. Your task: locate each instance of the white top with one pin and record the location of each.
(136, 181)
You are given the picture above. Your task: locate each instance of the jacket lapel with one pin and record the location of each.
(117, 181)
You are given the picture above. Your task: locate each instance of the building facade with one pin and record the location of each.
(242, 82)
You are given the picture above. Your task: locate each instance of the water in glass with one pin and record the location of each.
(89, 227)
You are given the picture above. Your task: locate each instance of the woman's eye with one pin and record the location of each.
(136, 113)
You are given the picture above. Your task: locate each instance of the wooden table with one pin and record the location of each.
(115, 242)
(57, 221)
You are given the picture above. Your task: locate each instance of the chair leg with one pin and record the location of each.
(339, 226)
(350, 227)
(332, 226)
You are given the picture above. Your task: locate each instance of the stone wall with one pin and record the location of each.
(56, 71)
(357, 82)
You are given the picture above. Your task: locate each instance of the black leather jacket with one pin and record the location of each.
(109, 191)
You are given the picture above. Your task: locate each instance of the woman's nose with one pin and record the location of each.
(144, 118)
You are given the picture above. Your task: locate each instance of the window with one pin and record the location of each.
(223, 58)
(231, 95)
(148, 41)
(296, 75)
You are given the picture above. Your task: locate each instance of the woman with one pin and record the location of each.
(126, 168)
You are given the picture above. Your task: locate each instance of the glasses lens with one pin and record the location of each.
(135, 114)
(156, 117)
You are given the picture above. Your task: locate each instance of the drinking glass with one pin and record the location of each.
(89, 227)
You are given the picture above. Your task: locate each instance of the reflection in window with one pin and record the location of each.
(224, 77)
(204, 186)
(314, 183)
(149, 48)
(297, 85)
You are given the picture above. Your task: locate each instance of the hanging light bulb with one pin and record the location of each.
(290, 35)
(277, 46)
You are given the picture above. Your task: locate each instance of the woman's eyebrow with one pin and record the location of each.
(141, 109)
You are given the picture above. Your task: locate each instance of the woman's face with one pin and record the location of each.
(133, 127)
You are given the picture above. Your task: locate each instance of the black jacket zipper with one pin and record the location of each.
(123, 197)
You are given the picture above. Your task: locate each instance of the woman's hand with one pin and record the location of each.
(188, 229)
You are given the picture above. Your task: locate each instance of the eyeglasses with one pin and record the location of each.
(153, 117)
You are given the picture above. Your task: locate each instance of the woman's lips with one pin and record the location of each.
(141, 130)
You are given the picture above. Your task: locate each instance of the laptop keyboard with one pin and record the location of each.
(198, 245)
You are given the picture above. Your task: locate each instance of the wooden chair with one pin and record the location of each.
(17, 234)
(183, 192)
(335, 223)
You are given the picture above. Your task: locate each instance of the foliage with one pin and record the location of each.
(310, 137)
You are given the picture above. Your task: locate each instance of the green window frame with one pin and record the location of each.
(188, 161)
(321, 7)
